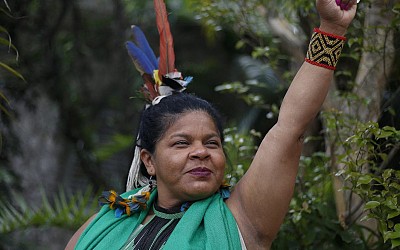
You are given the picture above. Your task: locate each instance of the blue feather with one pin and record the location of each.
(225, 193)
(140, 40)
(119, 212)
(142, 63)
(187, 80)
(134, 206)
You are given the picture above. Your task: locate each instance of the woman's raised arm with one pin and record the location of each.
(260, 200)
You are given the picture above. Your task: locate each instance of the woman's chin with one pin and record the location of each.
(199, 192)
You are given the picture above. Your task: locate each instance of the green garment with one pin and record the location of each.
(207, 224)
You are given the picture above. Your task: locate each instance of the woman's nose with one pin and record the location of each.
(199, 152)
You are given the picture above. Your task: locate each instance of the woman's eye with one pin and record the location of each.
(213, 143)
(181, 143)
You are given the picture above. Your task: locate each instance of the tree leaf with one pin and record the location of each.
(395, 186)
(392, 235)
(384, 134)
(392, 215)
(387, 173)
(395, 243)
(364, 179)
(372, 204)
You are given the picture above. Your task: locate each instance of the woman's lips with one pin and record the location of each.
(200, 172)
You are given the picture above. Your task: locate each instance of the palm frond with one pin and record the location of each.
(12, 71)
(63, 212)
(8, 43)
(6, 3)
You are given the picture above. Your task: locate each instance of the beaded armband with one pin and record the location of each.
(324, 49)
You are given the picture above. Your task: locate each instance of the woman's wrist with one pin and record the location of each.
(333, 29)
(324, 49)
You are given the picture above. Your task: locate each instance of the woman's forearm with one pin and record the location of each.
(310, 86)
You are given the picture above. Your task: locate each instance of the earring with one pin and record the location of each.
(151, 182)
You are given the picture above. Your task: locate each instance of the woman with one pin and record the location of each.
(181, 148)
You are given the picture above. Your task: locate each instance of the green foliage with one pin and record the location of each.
(312, 222)
(251, 32)
(140, 10)
(221, 14)
(118, 143)
(242, 91)
(239, 149)
(8, 55)
(6, 44)
(369, 177)
(70, 212)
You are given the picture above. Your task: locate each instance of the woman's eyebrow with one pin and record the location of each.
(185, 135)
(179, 135)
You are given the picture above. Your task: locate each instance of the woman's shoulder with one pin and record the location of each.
(74, 239)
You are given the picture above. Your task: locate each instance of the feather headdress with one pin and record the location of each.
(159, 75)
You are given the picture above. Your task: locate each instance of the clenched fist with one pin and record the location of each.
(336, 15)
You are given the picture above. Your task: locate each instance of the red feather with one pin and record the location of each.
(149, 91)
(166, 62)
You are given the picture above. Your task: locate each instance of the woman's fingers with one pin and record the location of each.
(346, 4)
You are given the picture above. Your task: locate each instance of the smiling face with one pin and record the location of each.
(188, 160)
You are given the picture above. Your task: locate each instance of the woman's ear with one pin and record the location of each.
(147, 159)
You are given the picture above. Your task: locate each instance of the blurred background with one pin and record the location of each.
(70, 106)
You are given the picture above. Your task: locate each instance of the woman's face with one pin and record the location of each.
(188, 160)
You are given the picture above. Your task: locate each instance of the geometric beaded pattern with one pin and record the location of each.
(324, 49)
